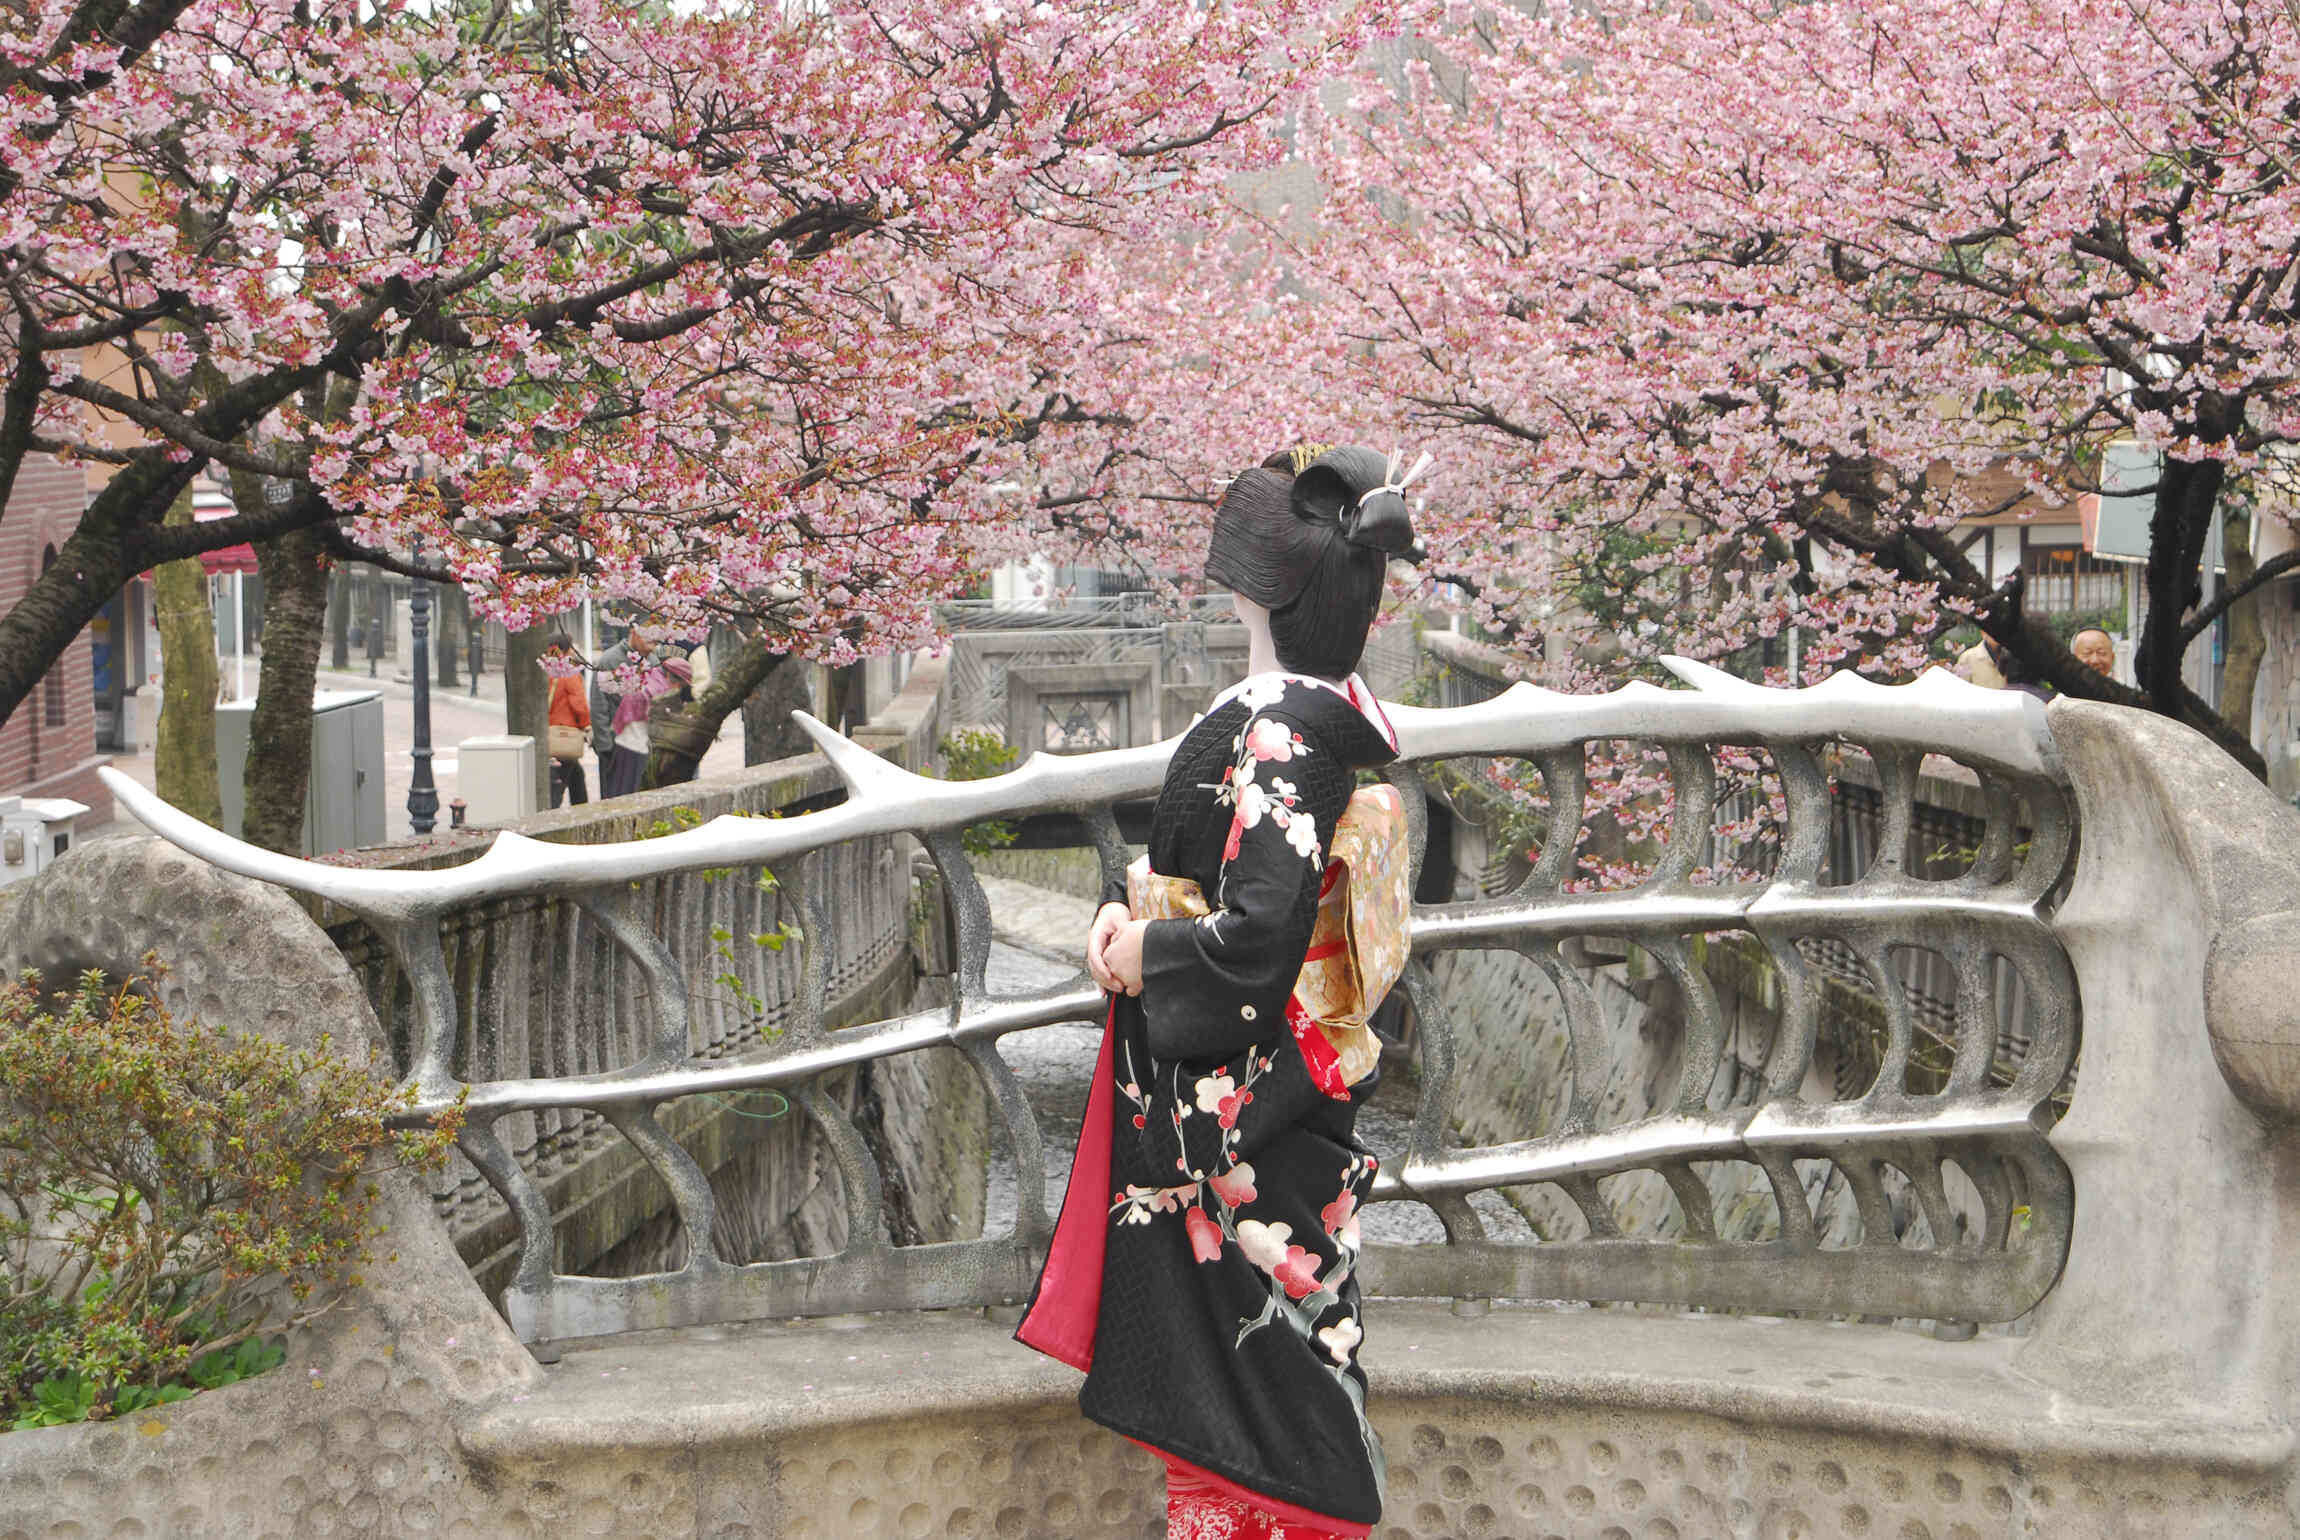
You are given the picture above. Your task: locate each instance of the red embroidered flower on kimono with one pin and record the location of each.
(1299, 1273)
(1205, 1235)
(1237, 833)
(1235, 1187)
(1231, 1105)
(1269, 1247)
(1222, 1096)
(1340, 1218)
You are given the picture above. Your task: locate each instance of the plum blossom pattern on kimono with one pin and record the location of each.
(1303, 1290)
(1264, 741)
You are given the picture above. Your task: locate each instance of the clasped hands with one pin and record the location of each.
(1114, 949)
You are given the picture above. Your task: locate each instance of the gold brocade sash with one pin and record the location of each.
(1358, 946)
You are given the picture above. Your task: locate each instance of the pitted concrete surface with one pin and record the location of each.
(1524, 1423)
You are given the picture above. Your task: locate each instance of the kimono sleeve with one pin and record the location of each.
(1216, 985)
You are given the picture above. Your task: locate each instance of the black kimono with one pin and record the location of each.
(1221, 1325)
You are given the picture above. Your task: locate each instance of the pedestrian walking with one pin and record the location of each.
(607, 692)
(1203, 1272)
(569, 726)
(626, 768)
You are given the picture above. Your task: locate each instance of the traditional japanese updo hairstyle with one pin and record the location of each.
(1308, 535)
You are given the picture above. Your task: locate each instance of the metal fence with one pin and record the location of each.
(1990, 916)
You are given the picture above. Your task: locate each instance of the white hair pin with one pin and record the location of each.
(1392, 481)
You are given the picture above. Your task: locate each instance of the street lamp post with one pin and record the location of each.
(422, 796)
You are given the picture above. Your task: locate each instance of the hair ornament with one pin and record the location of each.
(1392, 481)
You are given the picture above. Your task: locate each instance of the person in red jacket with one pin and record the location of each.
(570, 707)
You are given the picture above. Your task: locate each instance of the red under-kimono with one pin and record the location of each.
(1203, 1271)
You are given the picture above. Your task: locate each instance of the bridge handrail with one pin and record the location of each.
(1992, 1134)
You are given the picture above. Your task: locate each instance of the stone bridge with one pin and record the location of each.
(1981, 1291)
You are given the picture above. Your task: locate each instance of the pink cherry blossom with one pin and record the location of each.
(770, 311)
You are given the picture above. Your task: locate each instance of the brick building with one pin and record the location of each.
(48, 745)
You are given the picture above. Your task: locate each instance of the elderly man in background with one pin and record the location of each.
(2095, 650)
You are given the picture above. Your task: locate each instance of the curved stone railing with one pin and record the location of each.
(2152, 1396)
(541, 989)
(1984, 1137)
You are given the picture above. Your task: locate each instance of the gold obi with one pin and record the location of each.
(1360, 942)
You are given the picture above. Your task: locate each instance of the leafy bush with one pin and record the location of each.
(977, 754)
(175, 1194)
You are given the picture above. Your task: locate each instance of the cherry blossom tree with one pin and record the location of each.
(720, 308)
(1721, 317)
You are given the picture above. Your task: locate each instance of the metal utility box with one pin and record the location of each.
(34, 831)
(343, 800)
(496, 779)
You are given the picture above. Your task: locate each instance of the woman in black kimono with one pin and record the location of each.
(1203, 1271)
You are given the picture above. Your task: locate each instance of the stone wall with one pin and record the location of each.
(1075, 871)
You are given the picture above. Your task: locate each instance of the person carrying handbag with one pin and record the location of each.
(570, 725)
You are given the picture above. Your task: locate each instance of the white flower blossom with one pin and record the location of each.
(1262, 690)
(1302, 834)
(1341, 1338)
(1264, 1244)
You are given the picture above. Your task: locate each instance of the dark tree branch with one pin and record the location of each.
(182, 430)
(2267, 572)
(173, 542)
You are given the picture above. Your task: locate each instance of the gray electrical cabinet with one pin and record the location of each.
(343, 801)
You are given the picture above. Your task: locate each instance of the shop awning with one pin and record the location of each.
(232, 558)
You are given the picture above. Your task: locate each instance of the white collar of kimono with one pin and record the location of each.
(1353, 689)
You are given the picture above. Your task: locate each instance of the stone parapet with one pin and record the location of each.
(1520, 1422)
(2143, 1238)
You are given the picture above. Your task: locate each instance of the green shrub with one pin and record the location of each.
(176, 1195)
(977, 754)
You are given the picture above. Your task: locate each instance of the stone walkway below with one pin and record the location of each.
(1040, 941)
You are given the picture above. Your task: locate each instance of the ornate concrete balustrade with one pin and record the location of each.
(541, 988)
(2145, 1240)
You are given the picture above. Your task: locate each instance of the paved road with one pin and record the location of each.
(1035, 928)
(456, 714)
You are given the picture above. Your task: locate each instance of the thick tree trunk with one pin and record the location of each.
(184, 758)
(451, 624)
(527, 699)
(768, 731)
(681, 738)
(2247, 643)
(2187, 498)
(849, 705)
(2187, 501)
(339, 618)
(277, 780)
